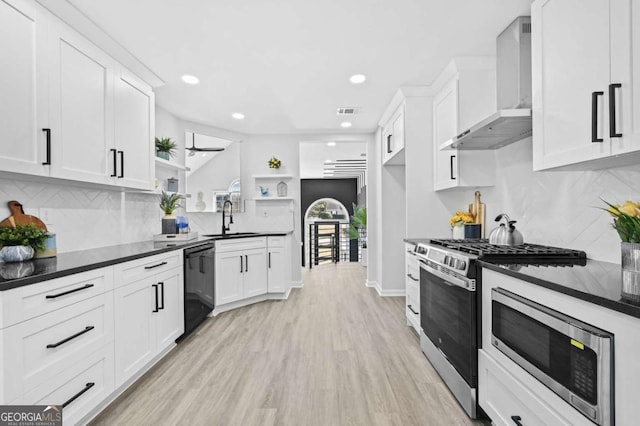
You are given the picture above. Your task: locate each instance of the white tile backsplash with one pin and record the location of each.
(560, 208)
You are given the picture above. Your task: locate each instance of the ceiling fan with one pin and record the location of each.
(193, 149)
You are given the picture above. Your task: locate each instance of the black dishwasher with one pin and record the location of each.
(199, 285)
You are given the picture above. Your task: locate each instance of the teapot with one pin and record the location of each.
(506, 234)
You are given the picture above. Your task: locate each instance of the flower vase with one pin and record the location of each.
(457, 232)
(631, 271)
(169, 224)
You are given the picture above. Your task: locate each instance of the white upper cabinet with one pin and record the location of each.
(394, 139)
(72, 111)
(585, 95)
(23, 85)
(466, 94)
(134, 134)
(81, 107)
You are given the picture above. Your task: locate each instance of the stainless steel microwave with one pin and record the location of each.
(570, 357)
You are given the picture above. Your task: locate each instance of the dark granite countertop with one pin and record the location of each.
(18, 274)
(596, 282)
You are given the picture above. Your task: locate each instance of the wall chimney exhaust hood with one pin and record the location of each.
(512, 122)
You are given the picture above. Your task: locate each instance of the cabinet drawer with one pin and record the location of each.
(128, 272)
(30, 301)
(90, 381)
(240, 244)
(36, 350)
(275, 242)
(504, 398)
(413, 300)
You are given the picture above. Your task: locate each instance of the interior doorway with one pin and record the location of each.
(326, 222)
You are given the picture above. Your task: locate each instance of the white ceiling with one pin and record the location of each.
(285, 64)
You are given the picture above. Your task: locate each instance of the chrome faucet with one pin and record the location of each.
(227, 228)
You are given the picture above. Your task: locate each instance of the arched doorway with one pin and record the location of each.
(326, 223)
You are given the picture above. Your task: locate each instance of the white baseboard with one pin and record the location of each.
(297, 284)
(385, 292)
(250, 301)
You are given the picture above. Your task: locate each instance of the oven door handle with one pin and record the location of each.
(449, 280)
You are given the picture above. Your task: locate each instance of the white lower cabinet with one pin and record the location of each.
(277, 265)
(148, 318)
(507, 401)
(412, 288)
(241, 269)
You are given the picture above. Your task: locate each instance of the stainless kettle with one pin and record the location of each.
(506, 234)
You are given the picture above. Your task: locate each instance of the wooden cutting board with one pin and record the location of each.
(19, 218)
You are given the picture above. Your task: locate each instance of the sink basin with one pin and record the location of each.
(231, 235)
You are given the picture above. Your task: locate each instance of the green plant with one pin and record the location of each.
(169, 202)
(24, 235)
(274, 163)
(166, 145)
(358, 222)
(626, 220)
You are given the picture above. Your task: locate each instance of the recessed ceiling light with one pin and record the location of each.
(358, 78)
(238, 115)
(190, 79)
(331, 143)
(345, 124)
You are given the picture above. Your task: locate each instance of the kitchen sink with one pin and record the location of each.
(231, 235)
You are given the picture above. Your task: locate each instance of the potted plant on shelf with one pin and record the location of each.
(358, 230)
(165, 148)
(168, 204)
(20, 243)
(274, 164)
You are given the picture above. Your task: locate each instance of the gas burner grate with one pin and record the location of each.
(522, 254)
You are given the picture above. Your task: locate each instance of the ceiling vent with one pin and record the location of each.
(348, 110)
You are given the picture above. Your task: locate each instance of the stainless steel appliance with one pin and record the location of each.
(512, 121)
(450, 312)
(570, 357)
(199, 285)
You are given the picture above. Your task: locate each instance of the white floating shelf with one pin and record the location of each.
(273, 198)
(168, 164)
(273, 176)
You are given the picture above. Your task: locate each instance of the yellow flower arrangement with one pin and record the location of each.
(460, 218)
(274, 163)
(626, 220)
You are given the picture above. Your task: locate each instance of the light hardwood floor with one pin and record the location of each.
(334, 353)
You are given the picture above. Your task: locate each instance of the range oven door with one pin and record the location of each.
(572, 358)
(448, 319)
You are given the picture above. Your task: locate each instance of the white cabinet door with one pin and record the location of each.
(393, 139)
(229, 270)
(81, 108)
(135, 328)
(170, 316)
(569, 80)
(23, 85)
(625, 63)
(277, 270)
(255, 272)
(134, 132)
(445, 126)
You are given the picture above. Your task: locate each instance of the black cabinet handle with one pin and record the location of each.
(269, 260)
(516, 420)
(54, 296)
(241, 265)
(115, 163)
(161, 285)
(79, 394)
(155, 266)
(612, 110)
(246, 263)
(155, 287)
(63, 341)
(121, 175)
(48, 139)
(594, 116)
(451, 167)
(411, 309)
(389, 144)
(412, 277)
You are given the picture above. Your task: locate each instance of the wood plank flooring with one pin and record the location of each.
(334, 353)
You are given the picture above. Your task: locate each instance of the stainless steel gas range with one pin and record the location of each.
(450, 308)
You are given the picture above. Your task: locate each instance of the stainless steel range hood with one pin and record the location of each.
(512, 122)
